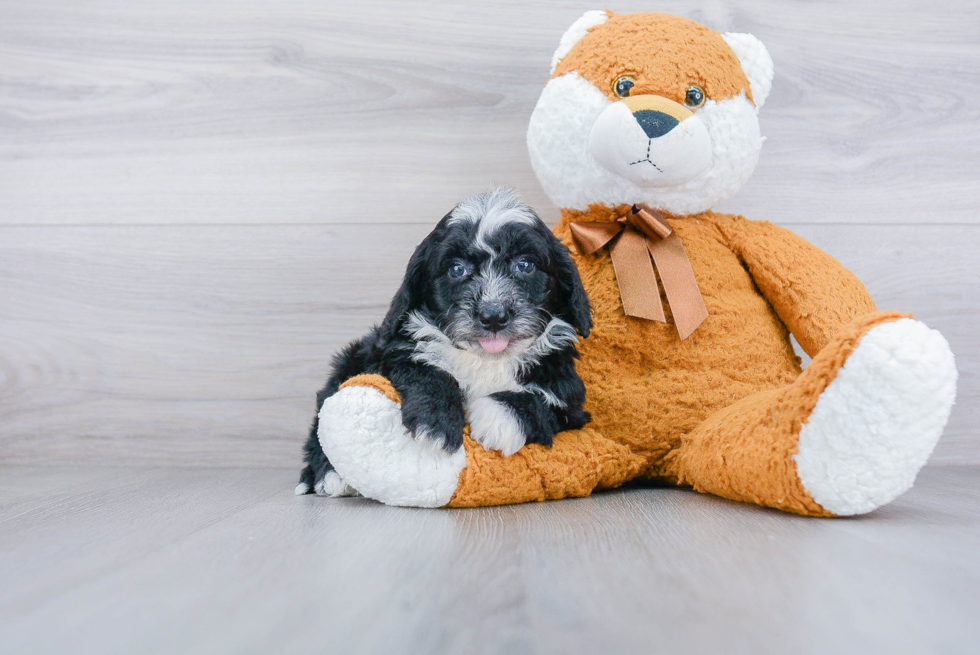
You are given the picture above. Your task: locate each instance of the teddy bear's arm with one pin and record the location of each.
(813, 294)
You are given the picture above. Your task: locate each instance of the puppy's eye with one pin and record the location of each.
(458, 269)
(695, 97)
(623, 86)
(525, 265)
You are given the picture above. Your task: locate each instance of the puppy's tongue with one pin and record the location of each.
(494, 345)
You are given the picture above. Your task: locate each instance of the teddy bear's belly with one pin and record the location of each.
(646, 388)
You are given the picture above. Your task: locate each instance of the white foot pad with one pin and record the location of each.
(876, 424)
(362, 434)
(333, 485)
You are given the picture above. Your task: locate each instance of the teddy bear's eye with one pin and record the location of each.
(694, 98)
(623, 85)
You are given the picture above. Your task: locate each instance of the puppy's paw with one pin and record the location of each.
(435, 429)
(333, 485)
(495, 427)
(432, 439)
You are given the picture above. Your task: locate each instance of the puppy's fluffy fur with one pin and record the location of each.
(483, 329)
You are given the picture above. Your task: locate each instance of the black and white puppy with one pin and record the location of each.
(482, 330)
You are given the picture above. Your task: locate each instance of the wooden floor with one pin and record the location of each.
(211, 561)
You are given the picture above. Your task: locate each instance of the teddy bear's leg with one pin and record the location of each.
(578, 462)
(361, 431)
(848, 436)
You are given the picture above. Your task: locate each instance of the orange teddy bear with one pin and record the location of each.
(647, 122)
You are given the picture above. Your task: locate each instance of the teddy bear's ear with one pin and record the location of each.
(756, 63)
(578, 29)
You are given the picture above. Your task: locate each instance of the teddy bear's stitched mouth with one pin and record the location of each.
(647, 159)
(616, 143)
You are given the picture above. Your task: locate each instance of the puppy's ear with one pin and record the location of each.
(411, 294)
(574, 302)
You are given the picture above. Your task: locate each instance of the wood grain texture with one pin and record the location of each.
(206, 344)
(295, 112)
(228, 561)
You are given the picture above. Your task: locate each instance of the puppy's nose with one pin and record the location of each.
(656, 115)
(493, 316)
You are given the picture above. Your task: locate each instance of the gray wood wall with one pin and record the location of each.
(201, 200)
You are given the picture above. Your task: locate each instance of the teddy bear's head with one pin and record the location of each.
(649, 108)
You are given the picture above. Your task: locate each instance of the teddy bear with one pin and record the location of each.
(647, 122)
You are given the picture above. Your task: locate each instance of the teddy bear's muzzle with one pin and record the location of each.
(651, 141)
(656, 115)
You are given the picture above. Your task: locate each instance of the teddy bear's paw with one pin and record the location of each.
(361, 432)
(876, 424)
(494, 426)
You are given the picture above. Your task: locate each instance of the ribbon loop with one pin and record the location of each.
(632, 240)
(649, 222)
(590, 237)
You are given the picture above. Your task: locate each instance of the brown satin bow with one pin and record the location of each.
(641, 234)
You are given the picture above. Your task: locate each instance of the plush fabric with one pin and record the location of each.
(727, 410)
(665, 53)
(648, 390)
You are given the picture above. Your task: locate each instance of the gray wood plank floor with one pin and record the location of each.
(106, 560)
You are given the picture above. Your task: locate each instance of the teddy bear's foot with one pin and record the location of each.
(876, 423)
(849, 434)
(362, 434)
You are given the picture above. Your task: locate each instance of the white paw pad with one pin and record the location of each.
(493, 426)
(333, 485)
(362, 434)
(876, 424)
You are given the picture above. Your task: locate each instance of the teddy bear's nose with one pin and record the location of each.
(655, 123)
(657, 115)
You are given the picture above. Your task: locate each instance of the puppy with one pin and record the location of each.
(483, 329)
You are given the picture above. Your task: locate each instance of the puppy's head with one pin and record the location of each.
(490, 278)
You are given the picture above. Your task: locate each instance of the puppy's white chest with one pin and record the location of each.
(477, 376)
(487, 377)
